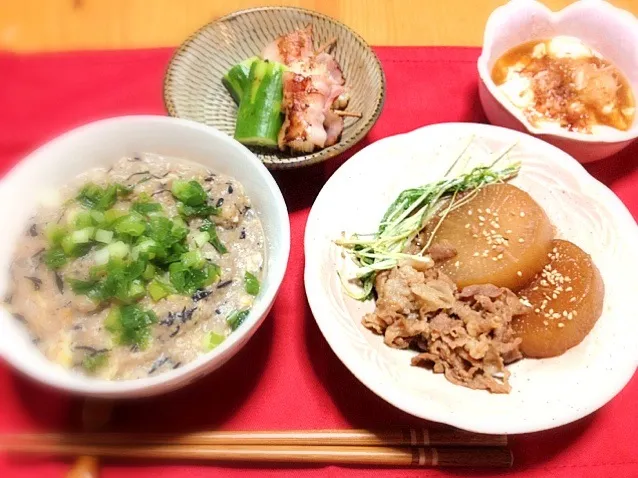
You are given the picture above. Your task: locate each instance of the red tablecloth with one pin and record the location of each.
(287, 376)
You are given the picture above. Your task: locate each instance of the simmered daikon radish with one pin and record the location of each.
(501, 236)
(566, 300)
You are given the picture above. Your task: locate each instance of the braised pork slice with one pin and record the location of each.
(466, 335)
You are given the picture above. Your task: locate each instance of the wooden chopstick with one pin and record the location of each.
(405, 437)
(352, 455)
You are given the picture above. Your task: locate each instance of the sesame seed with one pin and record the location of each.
(556, 315)
(475, 236)
(521, 240)
(522, 214)
(545, 322)
(554, 296)
(573, 299)
(488, 210)
(509, 231)
(481, 223)
(500, 256)
(494, 259)
(469, 213)
(457, 264)
(568, 289)
(519, 273)
(537, 310)
(481, 218)
(476, 254)
(480, 210)
(561, 325)
(467, 226)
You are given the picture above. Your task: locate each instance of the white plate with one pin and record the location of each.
(545, 393)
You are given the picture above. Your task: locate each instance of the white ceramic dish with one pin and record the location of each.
(545, 393)
(102, 143)
(610, 30)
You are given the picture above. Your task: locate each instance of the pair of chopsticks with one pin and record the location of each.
(413, 447)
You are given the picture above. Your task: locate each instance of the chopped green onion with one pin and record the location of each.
(201, 238)
(55, 258)
(132, 224)
(55, 234)
(203, 210)
(102, 256)
(193, 259)
(82, 220)
(98, 217)
(180, 229)
(136, 290)
(209, 227)
(212, 340)
(130, 325)
(104, 236)
(146, 249)
(157, 289)
(149, 272)
(236, 318)
(190, 193)
(144, 206)
(118, 250)
(72, 248)
(113, 215)
(93, 196)
(92, 363)
(83, 236)
(251, 283)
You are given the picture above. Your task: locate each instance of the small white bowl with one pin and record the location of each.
(610, 30)
(100, 144)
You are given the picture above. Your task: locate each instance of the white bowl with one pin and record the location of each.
(102, 143)
(610, 30)
(545, 393)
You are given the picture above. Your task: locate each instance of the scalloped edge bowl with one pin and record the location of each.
(608, 29)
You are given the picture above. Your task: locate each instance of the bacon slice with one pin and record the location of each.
(294, 46)
(333, 124)
(313, 85)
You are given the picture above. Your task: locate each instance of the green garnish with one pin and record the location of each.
(158, 289)
(138, 252)
(132, 225)
(55, 258)
(83, 219)
(202, 210)
(212, 340)
(91, 363)
(93, 196)
(187, 279)
(130, 325)
(116, 280)
(251, 283)
(191, 193)
(55, 234)
(209, 227)
(145, 206)
(74, 249)
(236, 318)
(408, 215)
